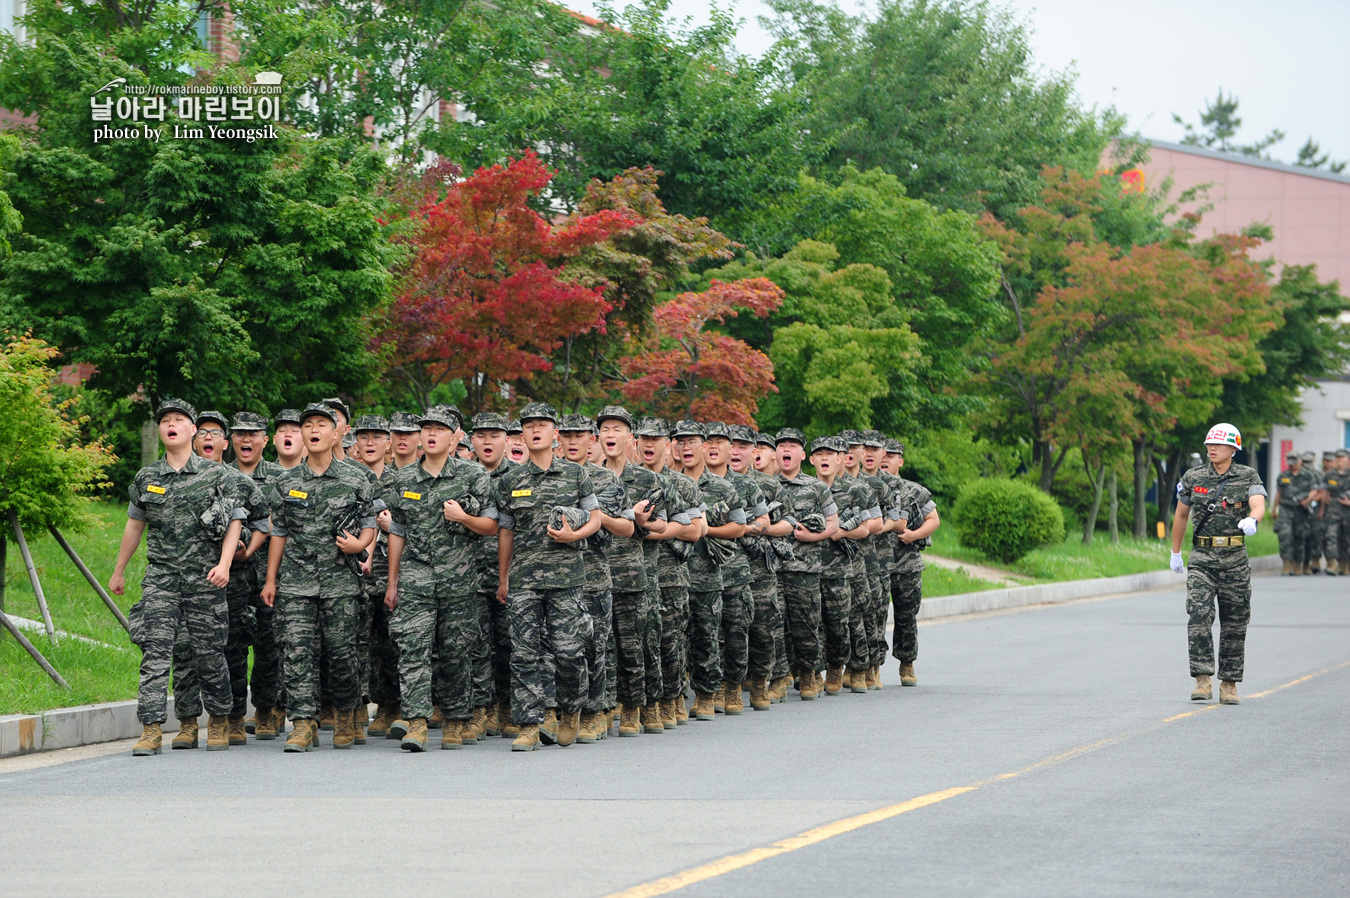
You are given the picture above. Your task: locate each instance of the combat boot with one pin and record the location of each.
(859, 683)
(186, 737)
(415, 739)
(217, 733)
(1288, 567)
(759, 696)
(473, 729)
(1202, 691)
(1345, 566)
(399, 728)
(528, 740)
(548, 730)
(379, 727)
(151, 741)
(651, 719)
(264, 725)
(668, 721)
(807, 687)
(1333, 568)
(629, 722)
(359, 721)
(907, 677)
(834, 681)
(735, 703)
(279, 720)
(874, 678)
(452, 734)
(719, 700)
(251, 723)
(681, 710)
(327, 716)
(703, 706)
(778, 690)
(437, 719)
(344, 729)
(590, 727)
(234, 730)
(1228, 692)
(569, 726)
(304, 735)
(510, 729)
(491, 721)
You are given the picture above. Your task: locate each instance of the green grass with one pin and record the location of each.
(95, 673)
(938, 581)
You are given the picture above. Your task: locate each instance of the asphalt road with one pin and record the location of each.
(1053, 751)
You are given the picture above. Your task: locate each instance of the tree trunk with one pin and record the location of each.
(1090, 522)
(1113, 513)
(149, 442)
(1143, 458)
(1167, 486)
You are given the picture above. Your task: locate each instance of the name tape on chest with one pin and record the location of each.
(157, 490)
(520, 494)
(299, 494)
(410, 495)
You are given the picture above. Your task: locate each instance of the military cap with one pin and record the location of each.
(851, 437)
(791, 435)
(447, 415)
(318, 408)
(833, 444)
(614, 413)
(375, 423)
(874, 439)
(575, 422)
(1328, 454)
(1310, 456)
(716, 429)
(169, 404)
(338, 405)
(465, 442)
(1292, 456)
(766, 439)
(404, 422)
(1342, 453)
(248, 421)
(513, 426)
(895, 447)
(687, 428)
(741, 433)
(348, 440)
(216, 416)
(652, 427)
(489, 421)
(287, 416)
(539, 411)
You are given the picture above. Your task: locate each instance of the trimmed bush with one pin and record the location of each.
(1005, 519)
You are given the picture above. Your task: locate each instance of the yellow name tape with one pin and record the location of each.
(516, 494)
(299, 494)
(157, 490)
(412, 495)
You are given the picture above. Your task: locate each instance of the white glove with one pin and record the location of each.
(1248, 526)
(1178, 565)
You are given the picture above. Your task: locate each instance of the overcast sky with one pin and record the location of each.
(1286, 61)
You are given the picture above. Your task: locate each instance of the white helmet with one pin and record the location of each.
(1224, 435)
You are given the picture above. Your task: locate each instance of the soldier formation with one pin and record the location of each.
(549, 579)
(1311, 516)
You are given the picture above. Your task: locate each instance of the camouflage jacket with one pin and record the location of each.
(526, 497)
(916, 503)
(803, 495)
(438, 552)
(186, 513)
(721, 505)
(884, 543)
(611, 496)
(1293, 488)
(264, 475)
(306, 509)
(1218, 501)
(684, 503)
(853, 499)
(630, 559)
(486, 547)
(736, 572)
(1336, 484)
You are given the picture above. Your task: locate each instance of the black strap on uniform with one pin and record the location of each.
(1214, 505)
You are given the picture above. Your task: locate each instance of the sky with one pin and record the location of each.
(1286, 61)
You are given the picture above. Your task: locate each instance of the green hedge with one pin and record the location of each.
(1005, 519)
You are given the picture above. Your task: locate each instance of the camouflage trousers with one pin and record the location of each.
(547, 622)
(835, 601)
(484, 691)
(649, 619)
(630, 651)
(738, 607)
(860, 620)
(705, 640)
(265, 681)
(1226, 582)
(674, 639)
(766, 624)
(1336, 542)
(429, 617)
(364, 623)
(201, 612)
(608, 699)
(600, 609)
(882, 611)
(312, 627)
(384, 680)
(874, 620)
(1284, 532)
(907, 595)
(801, 608)
(187, 686)
(1295, 531)
(500, 646)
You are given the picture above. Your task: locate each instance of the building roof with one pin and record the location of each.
(1254, 161)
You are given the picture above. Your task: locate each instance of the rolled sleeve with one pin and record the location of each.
(397, 529)
(368, 523)
(928, 508)
(239, 514)
(737, 516)
(628, 514)
(135, 512)
(278, 530)
(830, 508)
(490, 512)
(262, 525)
(506, 520)
(1256, 489)
(589, 503)
(760, 510)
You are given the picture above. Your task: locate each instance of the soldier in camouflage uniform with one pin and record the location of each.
(841, 566)
(542, 577)
(1284, 506)
(766, 466)
(405, 437)
(1337, 498)
(1225, 500)
(888, 487)
(193, 512)
(766, 615)
(1312, 552)
(1294, 496)
(323, 518)
(916, 505)
(867, 596)
(492, 671)
(287, 439)
(808, 501)
(438, 508)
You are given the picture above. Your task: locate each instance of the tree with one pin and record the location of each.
(687, 369)
(485, 299)
(1310, 155)
(1219, 124)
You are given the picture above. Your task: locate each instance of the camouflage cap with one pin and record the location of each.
(338, 405)
(1342, 453)
(373, 423)
(539, 411)
(895, 447)
(213, 415)
(248, 421)
(766, 439)
(851, 437)
(168, 404)
(404, 422)
(446, 415)
(513, 426)
(318, 408)
(1292, 456)
(575, 422)
(874, 439)
(287, 416)
(1328, 454)
(716, 429)
(791, 435)
(741, 433)
(614, 413)
(830, 443)
(687, 428)
(489, 421)
(465, 442)
(1309, 456)
(652, 427)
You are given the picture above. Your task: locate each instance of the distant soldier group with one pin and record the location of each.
(551, 579)
(1311, 516)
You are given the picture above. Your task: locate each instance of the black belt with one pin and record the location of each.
(1218, 542)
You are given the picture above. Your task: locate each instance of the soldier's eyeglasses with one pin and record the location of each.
(213, 432)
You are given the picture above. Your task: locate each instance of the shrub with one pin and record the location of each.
(1005, 519)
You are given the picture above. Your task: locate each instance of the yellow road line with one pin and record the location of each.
(722, 866)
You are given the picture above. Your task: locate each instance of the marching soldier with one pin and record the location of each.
(1337, 498)
(841, 566)
(867, 592)
(916, 505)
(405, 435)
(881, 553)
(492, 669)
(766, 466)
(288, 442)
(1294, 498)
(766, 617)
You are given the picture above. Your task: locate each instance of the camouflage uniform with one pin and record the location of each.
(599, 591)
(916, 503)
(720, 505)
(318, 592)
(769, 602)
(738, 600)
(637, 602)
(186, 513)
(799, 577)
(384, 679)
(1337, 540)
(437, 585)
(864, 503)
(545, 604)
(265, 677)
(492, 671)
(1294, 523)
(888, 551)
(683, 505)
(1219, 576)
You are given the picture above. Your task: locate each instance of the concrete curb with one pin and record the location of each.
(22, 734)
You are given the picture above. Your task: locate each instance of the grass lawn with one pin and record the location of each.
(939, 581)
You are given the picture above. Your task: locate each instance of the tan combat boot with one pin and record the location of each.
(668, 721)
(359, 721)
(719, 700)
(834, 681)
(327, 716)
(279, 720)
(808, 685)
(1345, 567)
(398, 728)
(703, 706)
(681, 710)
(759, 696)
(384, 716)
(1288, 567)
(569, 727)
(548, 730)
(735, 703)
(1228, 692)
(1202, 691)
(778, 690)
(151, 741)
(251, 723)
(856, 681)
(651, 718)
(474, 728)
(1333, 568)
(492, 725)
(304, 735)
(415, 739)
(590, 727)
(234, 730)
(907, 677)
(452, 734)
(186, 737)
(510, 729)
(874, 678)
(436, 719)
(217, 733)
(630, 724)
(528, 740)
(264, 725)
(344, 729)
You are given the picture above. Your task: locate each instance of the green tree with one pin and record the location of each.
(1219, 124)
(1310, 155)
